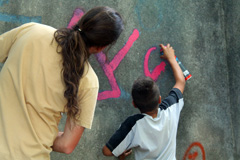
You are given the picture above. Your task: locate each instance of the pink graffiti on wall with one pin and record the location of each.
(77, 14)
(111, 66)
(157, 70)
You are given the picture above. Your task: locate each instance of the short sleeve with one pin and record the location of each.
(172, 105)
(87, 97)
(87, 104)
(174, 97)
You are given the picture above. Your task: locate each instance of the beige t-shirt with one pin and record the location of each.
(31, 93)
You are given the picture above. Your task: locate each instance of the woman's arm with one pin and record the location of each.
(67, 141)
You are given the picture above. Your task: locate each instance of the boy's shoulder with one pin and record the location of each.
(173, 97)
(132, 120)
(135, 117)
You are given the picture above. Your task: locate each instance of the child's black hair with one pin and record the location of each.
(145, 94)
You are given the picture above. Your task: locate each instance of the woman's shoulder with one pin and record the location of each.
(36, 25)
(44, 28)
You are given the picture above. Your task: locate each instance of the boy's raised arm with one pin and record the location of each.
(177, 72)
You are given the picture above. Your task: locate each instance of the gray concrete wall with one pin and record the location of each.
(204, 35)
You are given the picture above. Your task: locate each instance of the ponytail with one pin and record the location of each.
(74, 54)
(99, 27)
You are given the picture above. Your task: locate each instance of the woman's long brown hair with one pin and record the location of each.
(99, 27)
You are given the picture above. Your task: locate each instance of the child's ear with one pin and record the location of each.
(100, 49)
(134, 104)
(160, 100)
(94, 50)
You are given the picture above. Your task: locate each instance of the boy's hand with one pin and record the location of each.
(125, 154)
(168, 52)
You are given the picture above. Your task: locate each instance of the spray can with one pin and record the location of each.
(186, 73)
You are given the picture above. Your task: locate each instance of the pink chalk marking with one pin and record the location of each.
(110, 67)
(157, 70)
(77, 15)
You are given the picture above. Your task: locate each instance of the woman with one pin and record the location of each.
(46, 72)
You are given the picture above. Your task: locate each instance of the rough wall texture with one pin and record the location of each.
(204, 35)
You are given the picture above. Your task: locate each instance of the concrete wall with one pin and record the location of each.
(204, 35)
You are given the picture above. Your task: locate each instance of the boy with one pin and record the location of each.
(153, 132)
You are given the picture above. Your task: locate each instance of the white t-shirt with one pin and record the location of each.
(151, 138)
